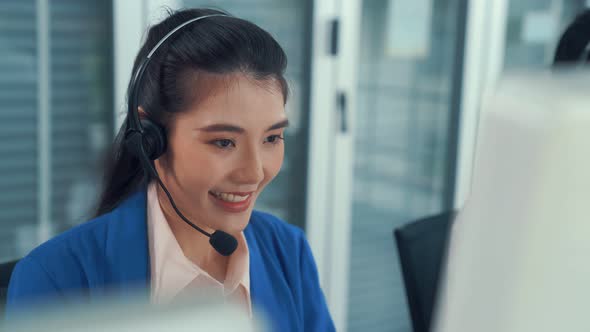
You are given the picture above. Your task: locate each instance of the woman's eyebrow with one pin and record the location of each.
(222, 127)
(225, 127)
(279, 125)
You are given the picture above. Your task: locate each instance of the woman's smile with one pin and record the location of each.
(232, 202)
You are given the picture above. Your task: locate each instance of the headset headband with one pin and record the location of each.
(133, 102)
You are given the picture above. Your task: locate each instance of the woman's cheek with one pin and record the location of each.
(274, 164)
(196, 169)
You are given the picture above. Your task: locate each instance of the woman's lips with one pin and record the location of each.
(234, 207)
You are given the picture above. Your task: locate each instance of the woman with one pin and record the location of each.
(203, 137)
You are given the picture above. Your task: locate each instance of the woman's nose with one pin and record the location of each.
(251, 170)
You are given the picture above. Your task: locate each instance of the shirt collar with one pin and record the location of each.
(171, 271)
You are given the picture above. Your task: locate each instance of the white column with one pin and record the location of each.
(129, 24)
(44, 119)
(484, 60)
(330, 163)
(342, 166)
(321, 135)
(131, 20)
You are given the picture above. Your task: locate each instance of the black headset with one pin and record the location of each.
(146, 140)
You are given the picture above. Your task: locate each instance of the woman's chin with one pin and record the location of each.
(234, 224)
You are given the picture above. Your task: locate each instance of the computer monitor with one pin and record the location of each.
(519, 248)
(114, 315)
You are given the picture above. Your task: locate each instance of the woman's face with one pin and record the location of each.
(224, 150)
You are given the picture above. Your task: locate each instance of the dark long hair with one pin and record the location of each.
(215, 45)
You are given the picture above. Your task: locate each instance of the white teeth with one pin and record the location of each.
(230, 197)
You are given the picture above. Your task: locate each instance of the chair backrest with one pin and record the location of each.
(5, 272)
(421, 247)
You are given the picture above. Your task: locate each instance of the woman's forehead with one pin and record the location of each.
(238, 98)
(202, 87)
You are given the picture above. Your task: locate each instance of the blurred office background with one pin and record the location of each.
(384, 114)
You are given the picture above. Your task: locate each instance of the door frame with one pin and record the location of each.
(331, 150)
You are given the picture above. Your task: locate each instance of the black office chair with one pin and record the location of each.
(573, 44)
(421, 247)
(5, 272)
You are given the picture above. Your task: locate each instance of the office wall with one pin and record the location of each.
(55, 113)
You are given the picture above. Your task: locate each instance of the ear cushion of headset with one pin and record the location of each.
(154, 139)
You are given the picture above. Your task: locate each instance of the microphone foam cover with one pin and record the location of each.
(224, 243)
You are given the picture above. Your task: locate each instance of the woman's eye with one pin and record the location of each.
(223, 143)
(274, 139)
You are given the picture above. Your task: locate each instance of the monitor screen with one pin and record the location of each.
(518, 252)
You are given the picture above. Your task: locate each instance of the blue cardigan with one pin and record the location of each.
(111, 252)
